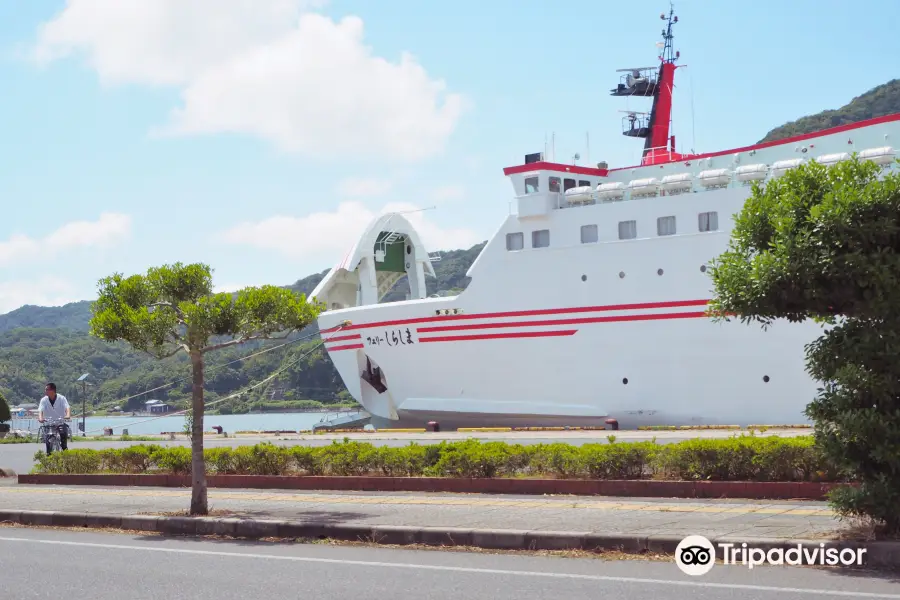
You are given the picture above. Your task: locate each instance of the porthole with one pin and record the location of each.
(409, 249)
(703, 268)
(621, 274)
(584, 277)
(659, 272)
(625, 381)
(766, 378)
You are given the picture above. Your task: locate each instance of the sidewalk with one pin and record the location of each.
(632, 516)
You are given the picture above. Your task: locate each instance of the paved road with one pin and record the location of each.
(20, 457)
(101, 566)
(740, 519)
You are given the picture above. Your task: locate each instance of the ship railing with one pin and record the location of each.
(557, 200)
(659, 153)
(388, 236)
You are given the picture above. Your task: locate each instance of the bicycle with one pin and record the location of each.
(51, 436)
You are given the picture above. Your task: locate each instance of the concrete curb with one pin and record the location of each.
(878, 554)
(640, 488)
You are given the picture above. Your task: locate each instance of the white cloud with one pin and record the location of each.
(327, 235)
(361, 187)
(43, 291)
(108, 230)
(448, 192)
(265, 68)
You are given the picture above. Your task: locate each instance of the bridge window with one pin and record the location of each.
(589, 234)
(584, 183)
(540, 238)
(554, 184)
(627, 230)
(515, 241)
(708, 221)
(665, 225)
(568, 184)
(531, 185)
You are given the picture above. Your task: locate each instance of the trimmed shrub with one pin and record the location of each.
(744, 458)
(176, 459)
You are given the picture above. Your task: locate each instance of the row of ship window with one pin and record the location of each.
(706, 221)
(531, 184)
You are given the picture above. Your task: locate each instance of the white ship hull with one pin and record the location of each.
(560, 348)
(588, 303)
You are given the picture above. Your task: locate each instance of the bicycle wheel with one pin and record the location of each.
(54, 443)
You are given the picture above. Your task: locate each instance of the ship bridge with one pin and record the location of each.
(541, 186)
(388, 250)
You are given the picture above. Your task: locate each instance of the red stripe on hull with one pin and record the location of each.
(347, 347)
(581, 321)
(526, 313)
(497, 336)
(343, 338)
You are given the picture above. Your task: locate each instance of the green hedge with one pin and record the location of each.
(745, 458)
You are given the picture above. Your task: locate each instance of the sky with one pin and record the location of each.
(262, 136)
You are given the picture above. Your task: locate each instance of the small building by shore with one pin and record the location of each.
(156, 407)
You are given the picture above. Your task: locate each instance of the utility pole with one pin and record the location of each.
(83, 404)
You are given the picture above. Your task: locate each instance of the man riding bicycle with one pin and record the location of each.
(54, 408)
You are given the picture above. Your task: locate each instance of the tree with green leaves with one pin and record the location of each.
(823, 244)
(5, 413)
(173, 309)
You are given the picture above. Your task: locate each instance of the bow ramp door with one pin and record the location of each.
(389, 249)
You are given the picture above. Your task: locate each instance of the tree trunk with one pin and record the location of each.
(199, 505)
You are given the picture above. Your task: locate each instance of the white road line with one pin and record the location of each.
(390, 565)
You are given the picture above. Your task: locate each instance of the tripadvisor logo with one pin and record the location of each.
(696, 555)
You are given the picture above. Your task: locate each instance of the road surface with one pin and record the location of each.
(53, 564)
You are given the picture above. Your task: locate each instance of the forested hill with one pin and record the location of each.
(40, 344)
(74, 316)
(877, 102)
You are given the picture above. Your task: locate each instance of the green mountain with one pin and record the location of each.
(40, 344)
(72, 316)
(877, 102)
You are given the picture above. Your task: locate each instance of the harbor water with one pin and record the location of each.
(154, 425)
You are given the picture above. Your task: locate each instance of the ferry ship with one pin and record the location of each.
(588, 305)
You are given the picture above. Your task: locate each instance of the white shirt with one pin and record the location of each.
(56, 411)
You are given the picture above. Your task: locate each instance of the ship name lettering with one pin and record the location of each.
(392, 337)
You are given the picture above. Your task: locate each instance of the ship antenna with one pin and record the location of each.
(658, 84)
(668, 53)
(693, 124)
(415, 210)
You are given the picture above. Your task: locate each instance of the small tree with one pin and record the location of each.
(824, 244)
(5, 413)
(172, 309)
